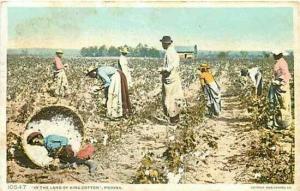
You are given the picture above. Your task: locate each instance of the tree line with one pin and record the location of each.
(141, 50)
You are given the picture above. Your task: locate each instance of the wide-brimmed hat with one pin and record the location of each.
(33, 135)
(203, 66)
(124, 50)
(166, 39)
(59, 51)
(277, 52)
(285, 53)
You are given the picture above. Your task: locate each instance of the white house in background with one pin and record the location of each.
(187, 52)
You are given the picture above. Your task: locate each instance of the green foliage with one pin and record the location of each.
(149, 172)
(223, 55)
(244, 54)
(267, 159)
(139, 51)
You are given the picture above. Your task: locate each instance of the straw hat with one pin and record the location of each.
(59, 51)
(124, 50)
(204, 66)
(285, 53)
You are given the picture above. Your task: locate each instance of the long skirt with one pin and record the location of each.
(260, 84)
(60, 83)
(118, 103)
(172, 95)
(213, 97)
(280, 105)
(114, 97)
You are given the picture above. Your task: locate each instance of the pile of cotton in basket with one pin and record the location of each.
(58, 125)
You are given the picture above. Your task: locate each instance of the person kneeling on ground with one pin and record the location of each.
(211, 90)
(115, 89)
(58, 148)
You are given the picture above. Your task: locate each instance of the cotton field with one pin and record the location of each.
(235, 147)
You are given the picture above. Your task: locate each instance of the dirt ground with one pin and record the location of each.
(221, 140)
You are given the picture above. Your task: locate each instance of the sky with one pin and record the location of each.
(209, 28)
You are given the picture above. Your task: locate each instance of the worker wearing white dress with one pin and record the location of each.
(172, 93)
(123, 65)
(256, 77)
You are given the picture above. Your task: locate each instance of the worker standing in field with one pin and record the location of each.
(60, 81)
(172, 93)
(211, 90)
(279, 93)
(115, 87)
(123, 66)
(256, 77)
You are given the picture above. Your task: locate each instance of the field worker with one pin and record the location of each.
(60, 83)
(123, 66)
(58, 147)
(172, 93)
(115, 88)
(211, 90)
(256, 77)
(279, 93)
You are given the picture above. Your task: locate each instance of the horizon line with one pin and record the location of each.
(218, 50)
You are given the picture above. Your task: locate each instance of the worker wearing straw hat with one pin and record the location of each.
(60, 83)
(172, 93)
(279, 93)
(211, 90)
(123, 65)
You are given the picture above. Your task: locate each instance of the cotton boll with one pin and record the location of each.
(93, 140)
(180, 170)
(182, 157)
(173, 178)
(197, 153)
(172, 138)
(257, 175)
(12, 151)
(273, 148)
(105, 139)
(147, 172)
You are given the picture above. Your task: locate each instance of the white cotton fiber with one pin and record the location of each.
(38, 154)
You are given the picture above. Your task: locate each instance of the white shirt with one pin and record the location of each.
(255, 75)
(123, 64)
(171, 59)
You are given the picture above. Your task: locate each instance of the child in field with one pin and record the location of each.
(60, 81)
(58, 147)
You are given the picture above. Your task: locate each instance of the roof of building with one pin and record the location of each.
(186, 49)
